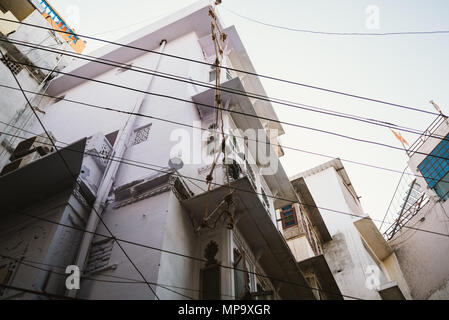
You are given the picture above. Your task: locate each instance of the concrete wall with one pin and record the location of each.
(346, 255)
(158, 221)
(142, 222)
(422, 255)
(41, 246)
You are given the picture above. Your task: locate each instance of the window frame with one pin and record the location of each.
(432, 165)
(283, 211)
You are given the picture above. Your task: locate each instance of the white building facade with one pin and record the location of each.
(338, 239)
(146, 166)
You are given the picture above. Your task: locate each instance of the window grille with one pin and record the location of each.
(11, 64)
(141, 134)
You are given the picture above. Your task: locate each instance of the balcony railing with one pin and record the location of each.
(439, 120)
(406, 216)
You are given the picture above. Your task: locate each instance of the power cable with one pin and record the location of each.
(168, 171)
(178, 254)
(46, 294)
(105, 108)
(28, 263)
(336, 33)
(238, 112)
(297, 105)
(74, 177)
(238, 70)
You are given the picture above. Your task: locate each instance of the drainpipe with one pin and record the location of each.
(109, 176)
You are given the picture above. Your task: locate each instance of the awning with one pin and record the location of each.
(259, 231)
(373, 238)
(42, 178)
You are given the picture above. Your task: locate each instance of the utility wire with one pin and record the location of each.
(237, 112)
(46, 294)
(168, 171)
(122, 280)
(179, 254)
(28, 263)
(202, 129)
(297, 105)
(336, 33)
(75, 178)
(238, 70)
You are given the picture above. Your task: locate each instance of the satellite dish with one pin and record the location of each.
(175, 163)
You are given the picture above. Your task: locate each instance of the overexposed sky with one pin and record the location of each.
(404, 69)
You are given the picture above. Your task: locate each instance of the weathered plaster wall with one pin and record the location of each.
(345, 253)
(423, 256)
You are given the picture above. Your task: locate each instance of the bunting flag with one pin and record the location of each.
(400, 138)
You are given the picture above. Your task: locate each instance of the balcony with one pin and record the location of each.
(255, 225)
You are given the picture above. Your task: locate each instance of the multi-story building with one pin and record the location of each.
(418, 229)
(33, 68)
(144, 169)
(336, 245)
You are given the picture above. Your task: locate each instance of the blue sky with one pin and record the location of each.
(406, 69)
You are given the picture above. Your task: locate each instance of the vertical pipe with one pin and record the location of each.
(110, 173)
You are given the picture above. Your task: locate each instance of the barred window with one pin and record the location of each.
(435, 168)
(141, 134)
(11, 64)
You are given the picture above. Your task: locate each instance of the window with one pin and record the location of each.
(435, 170)
(228, 74)
(241, 276)
(213, 74)
(141, 134)
(288, 217)
(11, 64)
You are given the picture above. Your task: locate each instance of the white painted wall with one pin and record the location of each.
(345, 253)
(423, 255)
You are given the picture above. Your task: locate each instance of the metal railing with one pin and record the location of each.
(406, 216)
(436, 123)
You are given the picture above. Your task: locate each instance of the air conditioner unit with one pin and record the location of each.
(18, 163)
(30, 145)
(28, 151)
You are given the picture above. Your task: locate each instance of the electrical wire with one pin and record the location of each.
(238, 70)
(75, 178)
(336, 33)
(26, 262)
(139, 164)
(177, 254)
(125, 280)
(46, 294)
(301, 106)
(105, 108)
(240, 113)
